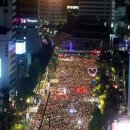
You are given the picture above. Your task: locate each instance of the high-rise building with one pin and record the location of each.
(27, 8)
(52, 11)
(100, 10)
(27, 24)
(7, 14)
(7, 49)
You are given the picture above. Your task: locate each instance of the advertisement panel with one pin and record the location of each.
(20, 47)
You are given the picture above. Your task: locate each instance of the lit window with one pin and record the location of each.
(24, 27)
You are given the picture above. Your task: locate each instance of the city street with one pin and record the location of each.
(71, 98)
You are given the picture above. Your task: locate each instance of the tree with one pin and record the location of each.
(110, 63)
(97, 120)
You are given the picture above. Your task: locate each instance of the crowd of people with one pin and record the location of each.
(67, 107)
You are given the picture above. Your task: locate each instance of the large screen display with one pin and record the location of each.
(20, 47)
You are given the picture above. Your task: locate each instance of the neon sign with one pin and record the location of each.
(31, 20)
(23, 20)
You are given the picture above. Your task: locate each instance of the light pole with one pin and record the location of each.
(124, 84)
(125, 47)
(129, 86)
(43, 114)
(27, 111)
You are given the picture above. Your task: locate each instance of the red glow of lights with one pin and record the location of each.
(81, 90)
(96, 52)
(60, 97)
(16, 20)
(61, 56)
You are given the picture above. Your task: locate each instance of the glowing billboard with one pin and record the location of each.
(27, 20)
(20, 47)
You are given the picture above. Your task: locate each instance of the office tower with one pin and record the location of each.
(27, 24)
(52, 11)
(7, 13)
(7, 50)
(27, 8)
(100, 10)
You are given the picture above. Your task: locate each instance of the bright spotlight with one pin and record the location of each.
(79, 122)
(72, 111)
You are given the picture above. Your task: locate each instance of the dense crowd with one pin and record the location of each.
(68, 106)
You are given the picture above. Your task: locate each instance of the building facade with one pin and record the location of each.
(27, 24)
(8, 13)
(27, 29)
(120, 13)
(52, 11)
(100, 10)
(7, 50)
(27, 8)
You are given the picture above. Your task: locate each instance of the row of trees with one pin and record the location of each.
(108, 89)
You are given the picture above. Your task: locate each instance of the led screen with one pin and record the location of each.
(20, 47)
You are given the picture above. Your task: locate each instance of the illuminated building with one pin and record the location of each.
(27, 29)
(72, 14)
(27, 24)
(100, 10)
(27, 8)
(7, 14)
(7, 50)
(52, 11)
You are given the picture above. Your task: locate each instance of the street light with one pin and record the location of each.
(72, 111)
(112, 35)
(79, 122)
(27, 111)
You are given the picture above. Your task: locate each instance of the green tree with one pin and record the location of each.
(110, 63)
(97, 121)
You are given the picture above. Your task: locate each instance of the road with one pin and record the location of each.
(71, 99)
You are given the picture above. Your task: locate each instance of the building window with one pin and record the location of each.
(5, 2)
(6, 11)
(1, 3)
